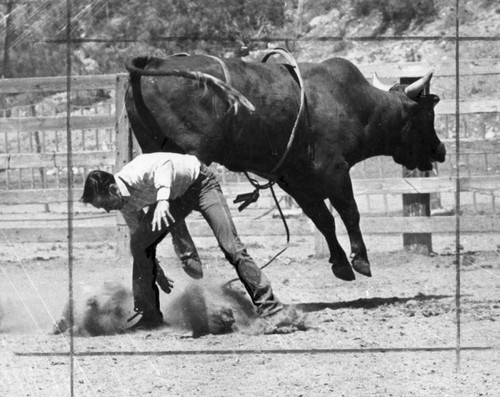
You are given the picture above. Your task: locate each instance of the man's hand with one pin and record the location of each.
(164, 282)
(162, 214)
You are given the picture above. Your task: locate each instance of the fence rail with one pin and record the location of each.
(104, 230)
(468, 67)
(48, 160)
(55, 84)
(393, 186)
(31, 124)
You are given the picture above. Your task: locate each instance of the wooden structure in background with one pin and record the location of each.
(119, 148)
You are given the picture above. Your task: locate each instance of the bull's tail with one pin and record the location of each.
(137, 67)
(233, 96)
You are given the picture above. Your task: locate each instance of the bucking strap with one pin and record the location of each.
(295, 68)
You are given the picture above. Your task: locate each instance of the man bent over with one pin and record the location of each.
(172, 185)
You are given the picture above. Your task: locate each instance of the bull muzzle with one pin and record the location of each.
(439, 153)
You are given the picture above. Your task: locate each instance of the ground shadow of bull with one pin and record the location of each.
(368, 303)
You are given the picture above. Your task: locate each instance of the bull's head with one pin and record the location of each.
(419, 145)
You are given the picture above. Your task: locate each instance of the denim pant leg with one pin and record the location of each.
(143, 244)
(184, 246)
(213, 207)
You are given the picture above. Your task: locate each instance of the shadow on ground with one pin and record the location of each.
(366, 303)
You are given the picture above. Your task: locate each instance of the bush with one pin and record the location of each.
(398, 14)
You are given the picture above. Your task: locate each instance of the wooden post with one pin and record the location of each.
(321, 249)
(320, 246)
(416, 204)
(123, 156)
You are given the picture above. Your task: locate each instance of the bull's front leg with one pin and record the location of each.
(322, 218)
(342, 199)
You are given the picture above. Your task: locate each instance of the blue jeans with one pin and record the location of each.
(184, 246)
(205, 196)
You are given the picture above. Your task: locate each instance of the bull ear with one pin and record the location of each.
(114, 189)
(435, 100)
(378, 84)
(414, 89)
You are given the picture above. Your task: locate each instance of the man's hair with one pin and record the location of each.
(97, 182)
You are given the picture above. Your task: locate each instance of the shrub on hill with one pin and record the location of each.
(396, 13)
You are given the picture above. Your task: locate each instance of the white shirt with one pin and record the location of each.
(152, 177)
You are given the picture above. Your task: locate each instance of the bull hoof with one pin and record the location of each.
(362, 266)
(343, 272)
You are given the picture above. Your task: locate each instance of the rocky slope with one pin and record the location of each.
(477, 18)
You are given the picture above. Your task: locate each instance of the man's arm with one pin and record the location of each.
(163, 176)
(163, 183)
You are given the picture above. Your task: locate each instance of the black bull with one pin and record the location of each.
(173, 106)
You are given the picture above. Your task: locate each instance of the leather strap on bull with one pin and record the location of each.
(248, 198)
(295, 67)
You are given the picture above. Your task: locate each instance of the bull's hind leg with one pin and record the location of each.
(324, 221)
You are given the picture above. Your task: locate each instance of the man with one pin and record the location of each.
(171, 186)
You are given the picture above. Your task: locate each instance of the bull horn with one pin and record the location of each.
(378, 84)
(415, 88)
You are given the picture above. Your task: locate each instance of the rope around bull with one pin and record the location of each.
(249, 198)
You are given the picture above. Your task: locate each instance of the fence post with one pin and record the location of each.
(416, 204)
(321, 249)
(123, 156)
(320, 246)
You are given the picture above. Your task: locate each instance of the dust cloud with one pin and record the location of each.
(102, 310)
(197, 308)
(208, 307)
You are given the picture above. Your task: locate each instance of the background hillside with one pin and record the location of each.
(108, 32)
(416, 18)
(380, 18)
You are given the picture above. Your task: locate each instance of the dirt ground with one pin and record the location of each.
(408, 306)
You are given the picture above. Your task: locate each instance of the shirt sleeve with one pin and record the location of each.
(163, 176)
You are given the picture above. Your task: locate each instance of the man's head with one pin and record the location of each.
(101, 191)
